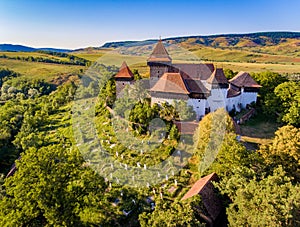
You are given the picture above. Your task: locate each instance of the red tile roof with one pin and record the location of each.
(217, 77)
(159, 54)
(243, 79)
(186, 128)
(200, 185)
(124, 72)
(172, 83)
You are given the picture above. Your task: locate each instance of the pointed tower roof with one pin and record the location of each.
(243, 79)
(159, 54)
(217, 77)
(124, 72)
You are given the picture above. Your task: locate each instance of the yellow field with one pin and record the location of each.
(39, 70)
(259, 67)
(28, 54)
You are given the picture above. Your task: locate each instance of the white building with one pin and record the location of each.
(202, 86)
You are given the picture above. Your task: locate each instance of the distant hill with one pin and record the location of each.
(21, 48)
(223, 40)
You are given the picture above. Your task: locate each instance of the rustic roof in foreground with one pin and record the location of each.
(159, 54)
(243, 79)
(199, 185)
(217, 77)
(124, 72)
(172, 83)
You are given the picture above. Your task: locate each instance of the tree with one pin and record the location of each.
(170, 214)
(271, 201)
(141, 115)
(288, 94)
(213, 124)
(184, 111)
(108, 93)
(136, 74)
(52, 187)
(130, 96)
(229, 73)
(167, 112)
(232, 155)
(267, 100)
(269, 81)
(215, 146)
(284, 150)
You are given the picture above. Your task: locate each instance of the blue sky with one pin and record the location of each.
(74, 24)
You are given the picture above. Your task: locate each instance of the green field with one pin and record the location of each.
(38, 70)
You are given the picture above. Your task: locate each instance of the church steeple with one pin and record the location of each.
(218, 78)
(160, 54)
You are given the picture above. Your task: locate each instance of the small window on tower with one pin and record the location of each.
(157, 71)
(123, 83)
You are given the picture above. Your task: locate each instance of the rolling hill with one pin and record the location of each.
(21, 48)
(223, 40)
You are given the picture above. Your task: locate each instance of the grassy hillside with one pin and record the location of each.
(40, 70)
(274, 51)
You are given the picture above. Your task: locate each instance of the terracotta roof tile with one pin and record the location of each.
(159, 54)
(186, 128)
(217, 77)
(243, 79)
(171, 82)
(124, 72)
(199, 185)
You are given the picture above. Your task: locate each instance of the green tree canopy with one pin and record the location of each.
(171, 214)
(284, 150)
(271, 201)
(51, 187)
(288, 95)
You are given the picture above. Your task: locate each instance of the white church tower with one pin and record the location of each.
(218, 86)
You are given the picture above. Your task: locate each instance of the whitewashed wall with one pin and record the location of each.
(248, 98)
(217, 99)
(233, 101)
(198, 106)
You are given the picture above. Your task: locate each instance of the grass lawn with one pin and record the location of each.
(259, 129)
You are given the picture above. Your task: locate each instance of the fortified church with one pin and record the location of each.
(202, 86)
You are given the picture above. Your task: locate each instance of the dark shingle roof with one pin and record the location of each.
(195, 71)
(232, 93)
(243, 79)
(217, 77)
(196, 86)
